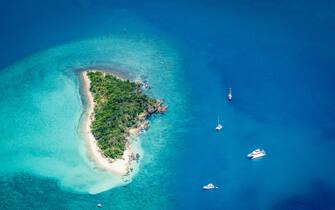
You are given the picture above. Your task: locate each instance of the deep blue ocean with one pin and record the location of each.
(278, 57)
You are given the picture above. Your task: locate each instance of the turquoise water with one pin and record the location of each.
(278, 56)
(43, 137)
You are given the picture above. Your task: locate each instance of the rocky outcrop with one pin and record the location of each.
(158, 107)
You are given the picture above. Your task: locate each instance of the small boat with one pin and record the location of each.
(146, 85)
(209, 186)
(218, 126)
(230, 95)
(99, 205)
(257, 153)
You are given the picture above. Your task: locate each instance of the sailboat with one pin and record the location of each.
(218, 126)
(230, 95)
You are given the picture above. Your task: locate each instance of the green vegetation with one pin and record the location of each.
(118, 104)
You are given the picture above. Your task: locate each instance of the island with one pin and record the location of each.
(116, 110)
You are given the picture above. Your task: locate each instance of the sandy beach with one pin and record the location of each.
(119, 166)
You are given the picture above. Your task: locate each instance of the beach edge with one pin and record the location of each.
(120, 167)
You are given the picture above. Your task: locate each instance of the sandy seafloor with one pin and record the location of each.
(278, 56)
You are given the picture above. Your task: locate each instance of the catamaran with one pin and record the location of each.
(230, 95)
(218, 126)
(209, 186)
(257, 153)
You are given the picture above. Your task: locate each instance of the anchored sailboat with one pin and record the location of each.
(218, 126)
(230, 95)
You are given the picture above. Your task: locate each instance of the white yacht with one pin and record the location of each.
(257, 153)
(99, 205)
(218, 126)
(230, 95)
(209, 186)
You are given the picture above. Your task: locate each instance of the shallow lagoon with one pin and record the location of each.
(277, 57)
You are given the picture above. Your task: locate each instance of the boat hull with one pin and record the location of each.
(230, 97)
(252, 157)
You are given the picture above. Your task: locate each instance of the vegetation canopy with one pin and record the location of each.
(118, 105)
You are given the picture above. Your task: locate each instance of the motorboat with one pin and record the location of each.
(209, 186)
(99, 205)
(257, 153)
(218, 127)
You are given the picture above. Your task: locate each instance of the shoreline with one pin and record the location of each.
(122, 166)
